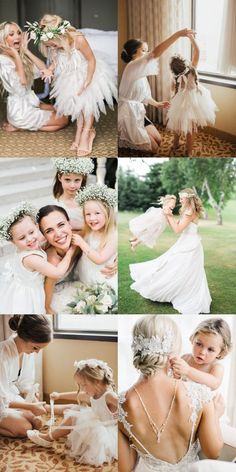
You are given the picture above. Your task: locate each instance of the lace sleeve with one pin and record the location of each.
(122, 414)
(198, 395)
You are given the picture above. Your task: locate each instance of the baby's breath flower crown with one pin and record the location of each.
(40, 33)
(74, 166)
(22, 209)
(102, 193)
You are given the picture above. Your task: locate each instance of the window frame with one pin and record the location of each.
(86, 335)
(213, 78)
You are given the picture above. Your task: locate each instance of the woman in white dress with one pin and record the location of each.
(18, 69)
(164, 422)
(17, 374)
(178, 275)
(134, 128)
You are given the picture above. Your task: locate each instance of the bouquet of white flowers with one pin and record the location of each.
(94, 299)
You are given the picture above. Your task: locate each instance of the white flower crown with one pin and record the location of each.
(23, 208)
(82, 166)
(153, 345)
(41, 33)
(187, 195)
(91, 363)
(106, 195)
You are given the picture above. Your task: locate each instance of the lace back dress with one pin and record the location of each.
(197, 396)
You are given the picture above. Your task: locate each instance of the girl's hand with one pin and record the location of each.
(76, 239)
(184, 32)
(8, 51)
(110, 270)
(164, 104)
(83, 87)
(54, 396)
(180, 367)
(219, 405)
(38, 408)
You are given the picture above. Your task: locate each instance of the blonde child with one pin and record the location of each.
(99, 241)
(18, 69)
(70, 178)
(147, 227)
(211, 341)
(22, 283)
(192, 105)
(81, 82)
(91, 431)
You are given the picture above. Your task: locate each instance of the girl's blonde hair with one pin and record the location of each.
(27, 63)
(194, 203)
(65, 40)
(166, 198)
(148, 328)
(215, 326)
(109, 226)
(57, 186)
(96, 374)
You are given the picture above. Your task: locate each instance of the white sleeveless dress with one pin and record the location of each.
(192, 106)
(177, 276)
(148, 226)
(197, 396)
(22, 104)
(134, 93)
(70, 75)
(94, 437)
(22, 291)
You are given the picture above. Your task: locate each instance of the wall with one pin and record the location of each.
(8, 10)
(123, 32)
(59, 356)
(225, 99)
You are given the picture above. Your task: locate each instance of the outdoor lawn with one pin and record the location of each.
(219, 243)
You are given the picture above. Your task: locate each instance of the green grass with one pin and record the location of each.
(219, 244)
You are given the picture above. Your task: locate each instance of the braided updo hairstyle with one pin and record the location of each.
(97, 374)
(33, 328)
(155, 325)
(178, 65)
(129, 49)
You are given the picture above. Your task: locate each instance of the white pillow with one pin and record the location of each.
(105, 43)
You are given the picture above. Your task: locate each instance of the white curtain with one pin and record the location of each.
(227, 55)
(231, 399)
(153, 21)
(5, 331)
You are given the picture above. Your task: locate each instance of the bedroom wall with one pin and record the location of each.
(58, 369)
(225, 99)
(123, 32)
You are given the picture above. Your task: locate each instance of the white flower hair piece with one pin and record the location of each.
(22, 209)
(106, 195)
(93, 363)
(153, 345)
(187, 195)
(40, 33)
(82, 166)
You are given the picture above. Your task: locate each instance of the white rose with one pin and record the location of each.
(33, 35)
(80, 306)
(101, 308)
(50, 35)
(91, 299)
(106, 300)
(62, 30)
(44, 37)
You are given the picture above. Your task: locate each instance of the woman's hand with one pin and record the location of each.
(50, 311)
(110, 270)
(54, 396)
(38, 408)
(47, 75)
(164, 104)
(25, 41)
(167, 211)
(219, 405)
(8, 51)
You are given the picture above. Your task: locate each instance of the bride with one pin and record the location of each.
(178, 275)
(163, 421)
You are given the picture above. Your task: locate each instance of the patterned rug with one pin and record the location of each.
(20, 455)
(205, 145)
(57, 144)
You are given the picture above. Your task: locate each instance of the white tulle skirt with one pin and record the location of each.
(190, 109)
(177, 276)
(92, 441)
(148, 226)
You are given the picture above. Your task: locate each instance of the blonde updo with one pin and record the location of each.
(194, 203)
(151, 326)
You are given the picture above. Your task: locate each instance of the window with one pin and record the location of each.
(90, 327)
(211, 20)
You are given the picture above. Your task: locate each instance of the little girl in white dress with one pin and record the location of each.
(70, 178)
(22, 282)
(147, 227)
(81, 83)
(91, 430)
(192, 105)
(18, 69)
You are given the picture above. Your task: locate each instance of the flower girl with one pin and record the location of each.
(81, 82)
(192, 105)
(147, 227)
(91, 431)
(22, 283)
(70, 178)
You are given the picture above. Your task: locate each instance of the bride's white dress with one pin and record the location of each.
(197, 395)
(177, 276)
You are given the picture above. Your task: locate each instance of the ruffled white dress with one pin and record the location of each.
(191, 107)
(22, 291)
(196, 395)
(14, 380)
(177, 276)
(134, 93)
(94, 437)
(70, 75)
(149, 226)
(22, 104)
